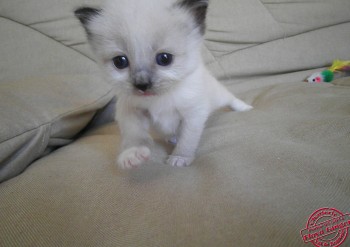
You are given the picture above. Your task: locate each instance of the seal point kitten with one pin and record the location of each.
(151, 51)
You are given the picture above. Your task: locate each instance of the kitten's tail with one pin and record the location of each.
(238, 105)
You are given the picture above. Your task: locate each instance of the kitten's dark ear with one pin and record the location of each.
(199, 10)
(85, 15)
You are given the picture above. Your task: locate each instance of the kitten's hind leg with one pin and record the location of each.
(172, 140)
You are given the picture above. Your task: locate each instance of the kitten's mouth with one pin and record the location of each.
(146, 93)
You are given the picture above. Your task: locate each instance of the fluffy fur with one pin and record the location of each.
(176, 98)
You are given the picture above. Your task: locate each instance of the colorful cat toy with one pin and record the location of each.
(338, 69)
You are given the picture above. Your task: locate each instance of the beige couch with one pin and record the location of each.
(258, 175)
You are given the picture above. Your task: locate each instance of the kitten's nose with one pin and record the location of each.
(142, 80)
(143, 86)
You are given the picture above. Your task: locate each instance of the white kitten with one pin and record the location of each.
(150, 50)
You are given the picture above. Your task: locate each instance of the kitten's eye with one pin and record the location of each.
(164, 59)
(121, 62)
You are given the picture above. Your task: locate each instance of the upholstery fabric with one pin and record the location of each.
(45, 98)
(257, 176)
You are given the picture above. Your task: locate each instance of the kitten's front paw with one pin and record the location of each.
(179, 161)
(133, 157)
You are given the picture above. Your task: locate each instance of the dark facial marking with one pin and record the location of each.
(143, 86)
(142, 80)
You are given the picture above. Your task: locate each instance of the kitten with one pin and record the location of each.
(151, 51)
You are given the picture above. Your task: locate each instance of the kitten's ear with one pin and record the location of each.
(85, 15)
(198, 9)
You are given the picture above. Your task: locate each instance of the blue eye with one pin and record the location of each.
(121, 62)
(164, 59)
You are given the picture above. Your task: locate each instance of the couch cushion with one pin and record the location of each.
(53, 18)
(48, 94)
(253, 38)
(256, 179)
(258, 175)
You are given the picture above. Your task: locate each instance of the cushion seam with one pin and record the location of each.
(281, 38)
(44, 34)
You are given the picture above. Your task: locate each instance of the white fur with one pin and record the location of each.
(184, 94)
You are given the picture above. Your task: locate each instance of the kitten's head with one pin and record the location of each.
(146, 47)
